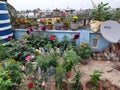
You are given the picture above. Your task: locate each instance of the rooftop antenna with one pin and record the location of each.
(93, 3)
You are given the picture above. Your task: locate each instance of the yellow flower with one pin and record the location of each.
(68, 60)
(8, 77)
(38, 51)
(27, 21)
(75, 17)
(82, 44)
(58, 19)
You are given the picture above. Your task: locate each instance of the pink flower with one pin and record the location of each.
(43, 84)
(23, 68)
(30, 85)
(28, 58)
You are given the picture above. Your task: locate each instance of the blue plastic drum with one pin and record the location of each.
(5, 27)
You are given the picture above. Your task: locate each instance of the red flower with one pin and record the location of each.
(30, 85)
(52, 38)
(28, 32)
(9, 38)
(43, 28)
(76, 36)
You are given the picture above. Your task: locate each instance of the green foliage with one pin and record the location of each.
(76, 79)
(101, 12)
(18, 50)
(95, 77)
(59, 76)
(37, 40)
(116, 15)
(46, 61)
(3, 52)
(65, 44)
(5, 80)
(14, 70)
(70, 59)
(84, 50)
(43, 61)
(11, 74)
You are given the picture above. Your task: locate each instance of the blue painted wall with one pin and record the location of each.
(102, 43)
(86, 36)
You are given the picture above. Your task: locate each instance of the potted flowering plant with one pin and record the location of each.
(70, 59)
(49, 24)
(74, 23)
(84, 52)
(58, 24)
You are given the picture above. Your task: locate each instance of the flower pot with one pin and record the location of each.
(84, 61)
(49, 26)
(95, 25)
(65, 27)
(91, 86)
(16, 26)
(58, 26)
(74, 26)
(69, 74)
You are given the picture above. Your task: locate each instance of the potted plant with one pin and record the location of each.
(84, 52)
(100, 13)
(49, 24)
(65, 25)
(94, 83)
(76, 85)
(70, 59)
(116, 15)
(74, 23)
(58, 24)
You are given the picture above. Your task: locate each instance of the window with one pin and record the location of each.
(94, 43)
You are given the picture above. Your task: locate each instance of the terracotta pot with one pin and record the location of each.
(16, 26)
(65, 27)
(90, 86)
(49, 26)
(69, 74)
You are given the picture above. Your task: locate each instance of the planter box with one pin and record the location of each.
(74, 26)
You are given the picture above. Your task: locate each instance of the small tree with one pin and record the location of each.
(101, 12)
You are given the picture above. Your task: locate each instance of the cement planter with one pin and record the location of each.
(95, 25)
(74, 26)
(58, 26)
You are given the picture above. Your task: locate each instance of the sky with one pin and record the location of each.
(59, 4)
